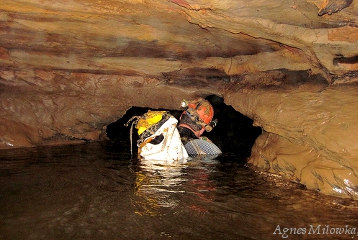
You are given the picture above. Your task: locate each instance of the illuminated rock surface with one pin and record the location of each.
(69, 68)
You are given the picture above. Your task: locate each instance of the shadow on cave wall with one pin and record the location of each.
(234, 134)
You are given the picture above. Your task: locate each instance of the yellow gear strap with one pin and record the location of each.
(148, 119)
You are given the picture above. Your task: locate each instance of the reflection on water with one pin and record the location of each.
(158, 183)
(95, 191)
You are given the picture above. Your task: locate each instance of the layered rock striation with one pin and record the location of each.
(69, 68)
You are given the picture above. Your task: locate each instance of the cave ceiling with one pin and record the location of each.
(234, 37)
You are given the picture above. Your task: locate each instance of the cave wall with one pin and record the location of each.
(309, 137)
(69, 68)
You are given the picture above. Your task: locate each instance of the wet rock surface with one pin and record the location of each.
(70, 68)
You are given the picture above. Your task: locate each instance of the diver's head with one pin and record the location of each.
(198, 116)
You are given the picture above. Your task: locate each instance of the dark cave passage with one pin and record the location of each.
(234, 133)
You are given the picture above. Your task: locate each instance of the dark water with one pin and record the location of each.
(96, 191)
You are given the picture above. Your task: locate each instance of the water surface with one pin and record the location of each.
(97, 191)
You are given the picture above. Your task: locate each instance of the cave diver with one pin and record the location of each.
(193, 122)
(162, 138)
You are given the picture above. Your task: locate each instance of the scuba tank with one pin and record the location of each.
(159, 138)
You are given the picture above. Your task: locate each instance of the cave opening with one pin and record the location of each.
(234, 133)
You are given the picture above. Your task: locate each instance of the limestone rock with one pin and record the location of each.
(333, 6)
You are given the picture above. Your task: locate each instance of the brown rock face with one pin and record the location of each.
(69, 68)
